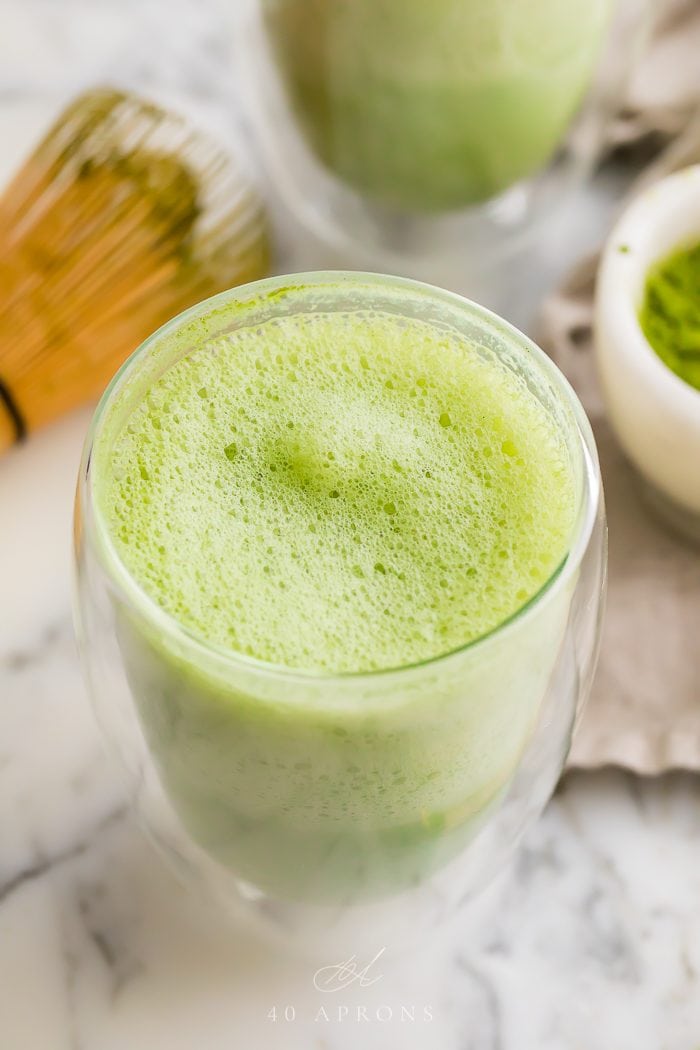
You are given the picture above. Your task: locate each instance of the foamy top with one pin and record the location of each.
(338, 491)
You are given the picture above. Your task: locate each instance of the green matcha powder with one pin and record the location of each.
(670, 314)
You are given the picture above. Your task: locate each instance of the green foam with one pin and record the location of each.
(339, 492)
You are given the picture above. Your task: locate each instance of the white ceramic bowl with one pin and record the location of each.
(655, 414)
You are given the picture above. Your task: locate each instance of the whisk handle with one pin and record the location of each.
(12, 424)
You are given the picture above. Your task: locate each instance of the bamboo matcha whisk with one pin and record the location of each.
(123, 216)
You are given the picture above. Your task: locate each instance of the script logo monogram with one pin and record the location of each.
(342, 975)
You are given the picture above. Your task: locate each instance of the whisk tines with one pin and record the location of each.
(123, 216)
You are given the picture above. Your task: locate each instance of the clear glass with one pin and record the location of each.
(272, 790)
(416, 128)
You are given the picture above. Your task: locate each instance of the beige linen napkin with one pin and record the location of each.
(644, 712)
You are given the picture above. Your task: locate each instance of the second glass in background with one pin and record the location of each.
(433, 140)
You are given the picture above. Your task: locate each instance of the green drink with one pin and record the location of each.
(435, 105)
(313, 495)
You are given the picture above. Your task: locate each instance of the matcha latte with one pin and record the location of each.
(324, 499)
(430, 105)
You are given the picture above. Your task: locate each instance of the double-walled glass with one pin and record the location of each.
(339, 809)
(419, 126)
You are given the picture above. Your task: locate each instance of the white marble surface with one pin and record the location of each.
(591, 941)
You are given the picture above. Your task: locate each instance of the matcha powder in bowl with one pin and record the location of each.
(670, 314)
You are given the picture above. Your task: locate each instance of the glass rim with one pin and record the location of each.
(256, 293)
